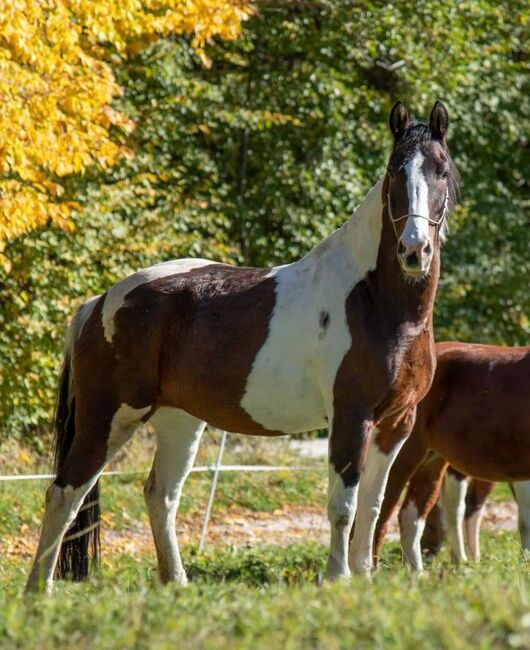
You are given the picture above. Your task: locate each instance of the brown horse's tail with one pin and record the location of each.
(79, 552)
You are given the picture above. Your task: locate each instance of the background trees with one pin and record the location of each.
(258, 156)
(57, 85)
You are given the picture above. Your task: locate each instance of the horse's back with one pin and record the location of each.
(476, 409)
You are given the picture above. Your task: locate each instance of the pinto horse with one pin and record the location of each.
(475, 418)
(342, 338)
(464, 500)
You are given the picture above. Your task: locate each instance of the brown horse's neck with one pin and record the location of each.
(405, 300)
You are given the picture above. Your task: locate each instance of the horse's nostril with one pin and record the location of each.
(401, 247)
(428, 249)
(412, 260)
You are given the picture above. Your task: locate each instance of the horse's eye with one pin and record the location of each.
(444, 174)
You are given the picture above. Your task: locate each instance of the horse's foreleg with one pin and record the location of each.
(424, 488)
(477, 493)
(178, 437)
(384, 446)
(347, 446)
(522, 494)
(454, 500)
(408, 460)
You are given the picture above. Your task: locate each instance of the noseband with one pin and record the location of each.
(432, 222)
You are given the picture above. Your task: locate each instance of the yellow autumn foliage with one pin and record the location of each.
(57, 87)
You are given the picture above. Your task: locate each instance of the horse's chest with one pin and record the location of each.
(290, 387)
(411, 373)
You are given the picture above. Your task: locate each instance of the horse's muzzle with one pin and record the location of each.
(415, 257)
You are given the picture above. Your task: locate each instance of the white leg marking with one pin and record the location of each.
(62, 505)
(116, 295)
(472, 534)
(124, 423)
(342, 503)
(454, 509)
(411, 529)
(522, 494)
(178, 436)
(374, 477)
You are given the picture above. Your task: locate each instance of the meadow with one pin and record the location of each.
(258, 595)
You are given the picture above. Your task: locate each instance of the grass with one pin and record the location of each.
(270, 598)
(260, 597)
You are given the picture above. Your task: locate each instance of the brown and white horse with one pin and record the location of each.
(464, 500)
(341, 338)
(475, 417)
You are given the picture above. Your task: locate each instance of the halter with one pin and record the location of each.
(432, 222)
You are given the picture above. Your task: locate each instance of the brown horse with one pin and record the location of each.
(464, 500)
(475, 418)
(342, 338)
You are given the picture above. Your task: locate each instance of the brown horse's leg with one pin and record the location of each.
(522, 494)
(384, 446)
(99, 433)
(408, 459)
(434, 533)
(477, 493)
(422, 493)
(454, 501)
(178, 435)
(347, 447)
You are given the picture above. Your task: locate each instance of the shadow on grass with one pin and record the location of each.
(257, 566)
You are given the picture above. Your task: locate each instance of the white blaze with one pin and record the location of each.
(416, 228)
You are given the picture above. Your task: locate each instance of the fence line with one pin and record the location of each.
(215, 468)
(199, 468)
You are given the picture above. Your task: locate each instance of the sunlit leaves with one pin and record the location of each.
(57, 87)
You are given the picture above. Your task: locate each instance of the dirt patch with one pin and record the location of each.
(239, 527)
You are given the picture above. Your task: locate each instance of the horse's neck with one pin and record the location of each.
(364, 248)
(404, 300)
(352, 250)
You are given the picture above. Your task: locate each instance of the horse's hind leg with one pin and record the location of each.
(477, 493)
(454, 500)
(424, 488)
(178, 436)
(93, 446)
(522, 494)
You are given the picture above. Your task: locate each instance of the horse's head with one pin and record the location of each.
(421, 187)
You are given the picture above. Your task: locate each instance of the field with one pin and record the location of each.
(264, 595)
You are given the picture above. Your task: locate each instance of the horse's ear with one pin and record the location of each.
(399, 119)
(439, 121)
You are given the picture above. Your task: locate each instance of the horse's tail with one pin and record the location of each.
(79, 552)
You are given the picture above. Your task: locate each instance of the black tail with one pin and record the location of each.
(79, 552)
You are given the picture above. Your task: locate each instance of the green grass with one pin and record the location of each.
(260, 597)
(270, 598)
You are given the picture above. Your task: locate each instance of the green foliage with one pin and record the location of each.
(267, 598)
(257, 158)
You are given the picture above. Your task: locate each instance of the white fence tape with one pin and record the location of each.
(199, 468)
(215, 469)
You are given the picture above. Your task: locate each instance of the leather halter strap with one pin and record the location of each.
(433, 222)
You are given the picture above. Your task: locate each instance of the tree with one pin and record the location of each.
(57, 86)
(254, 159)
